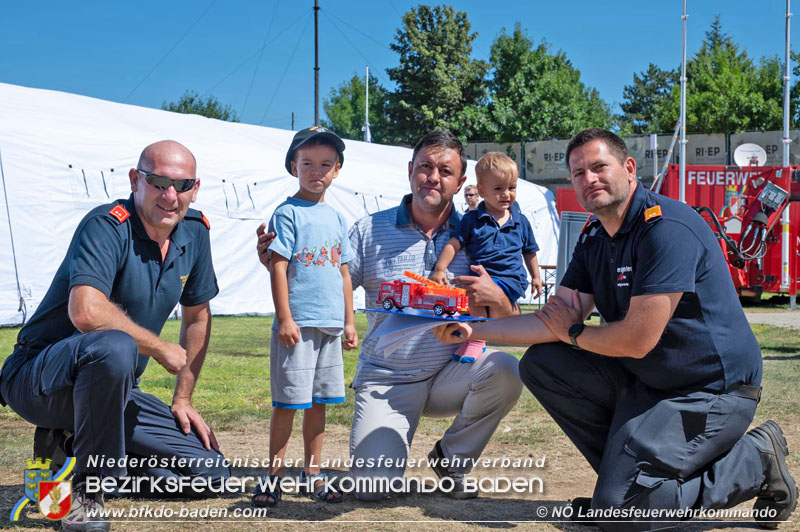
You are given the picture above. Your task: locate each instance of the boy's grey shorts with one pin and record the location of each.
(310, 371)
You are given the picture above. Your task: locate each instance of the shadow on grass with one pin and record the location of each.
(771, 349)
(263, 354)
(795, 357)
(29, 518)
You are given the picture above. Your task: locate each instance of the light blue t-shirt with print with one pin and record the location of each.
(313, 236)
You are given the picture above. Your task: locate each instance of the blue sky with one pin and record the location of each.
(145, 52)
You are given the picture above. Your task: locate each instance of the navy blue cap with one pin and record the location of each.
(317, 133)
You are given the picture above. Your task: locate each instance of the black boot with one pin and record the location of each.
(54, 445)
(778, 494)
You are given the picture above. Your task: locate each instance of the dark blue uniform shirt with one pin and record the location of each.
(120, 260)
(497, 248)
(664, 246)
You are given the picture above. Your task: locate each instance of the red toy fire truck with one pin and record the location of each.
(424, 294)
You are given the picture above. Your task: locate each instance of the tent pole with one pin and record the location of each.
(22, 307)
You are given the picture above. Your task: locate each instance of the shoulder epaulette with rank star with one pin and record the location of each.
(120, 213)
(652, 213)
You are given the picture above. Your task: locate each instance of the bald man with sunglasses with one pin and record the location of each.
(77, 362)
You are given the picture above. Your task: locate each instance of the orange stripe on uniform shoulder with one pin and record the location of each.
(588, 221)
(205, 221)
(652, 212)
(120, 213)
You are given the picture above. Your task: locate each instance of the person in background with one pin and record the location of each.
(471, 197)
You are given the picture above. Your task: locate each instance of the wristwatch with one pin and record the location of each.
(574, 332)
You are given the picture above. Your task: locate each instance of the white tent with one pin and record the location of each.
(63, 154)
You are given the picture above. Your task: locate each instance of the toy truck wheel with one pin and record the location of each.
(388, 303)
(438, 309)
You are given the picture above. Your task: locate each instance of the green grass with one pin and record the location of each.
(233, 391)
(234, 386)
(780, 349)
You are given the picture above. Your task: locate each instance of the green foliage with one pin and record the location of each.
(794, 95)
(643, 98)
(192, 103)
(536, 94)
(344, 109)
(438, 84)
(726, 91)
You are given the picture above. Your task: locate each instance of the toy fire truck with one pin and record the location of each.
(424, 294)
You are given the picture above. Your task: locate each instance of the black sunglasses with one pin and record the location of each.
(163, 183)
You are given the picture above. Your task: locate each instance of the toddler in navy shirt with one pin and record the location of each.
(496, 236)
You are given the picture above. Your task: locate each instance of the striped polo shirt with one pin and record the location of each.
(385, 244)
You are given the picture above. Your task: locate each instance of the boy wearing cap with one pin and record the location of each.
(313, 297)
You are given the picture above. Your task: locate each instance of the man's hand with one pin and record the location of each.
(264, 240)
(439, 276)
(559, 315)
(288, 332)
(482, 291)
(536, 287)
(171, 356)
(453, 333)
(187, 417)
(350, 337)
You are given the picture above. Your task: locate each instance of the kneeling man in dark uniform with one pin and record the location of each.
(77, 362)
(659, 398)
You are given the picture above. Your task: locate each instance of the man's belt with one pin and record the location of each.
(746, 390)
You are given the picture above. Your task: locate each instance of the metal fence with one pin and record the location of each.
(542, 162)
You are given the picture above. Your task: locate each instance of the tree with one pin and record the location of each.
(192, 103)
(344, 109)
(794, 97)
(643, 98)
(535, 94)
(438, 85)
(726, 91)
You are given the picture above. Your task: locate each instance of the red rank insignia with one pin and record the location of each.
(120, 213)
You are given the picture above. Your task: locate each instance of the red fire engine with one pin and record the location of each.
(743, 206)
(424, 294)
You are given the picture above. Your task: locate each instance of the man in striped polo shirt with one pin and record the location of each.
(420, 378)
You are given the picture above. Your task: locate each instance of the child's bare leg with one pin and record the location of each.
(313, 435)
(471, 350)
(280, 429)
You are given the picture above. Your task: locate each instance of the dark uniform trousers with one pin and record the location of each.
(87, 383)
(650, 448)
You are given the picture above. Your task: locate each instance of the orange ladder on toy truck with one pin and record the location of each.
(436, 288)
